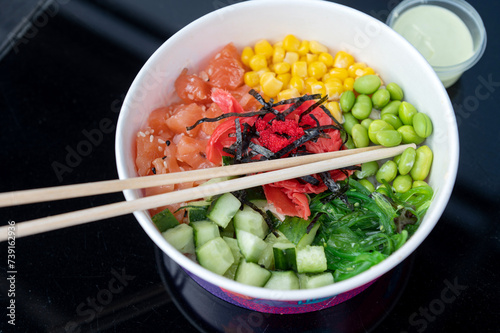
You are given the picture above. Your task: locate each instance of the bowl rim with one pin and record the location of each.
(292, 295)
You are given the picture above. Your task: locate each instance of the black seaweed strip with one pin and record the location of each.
(308, 136)
(227, 115)
(325, 110)
(315, 120)
(313, 222)
(238, 142)
(261, 150)
(310, 179)
(312, 107)
(242, 197)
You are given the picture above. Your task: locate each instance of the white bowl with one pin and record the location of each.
(338, 27)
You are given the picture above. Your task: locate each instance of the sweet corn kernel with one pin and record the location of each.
(264, 47)
(317, 47)
(278, 54)
(318, 88)
(325, 77)
(291, 57)
(334, 88)
(316, 69)
(288, 93)
(343, 60)
(326, 58)
(246, 55)
(258, 62)
(308, 83)
(251, 79)
(339, 73)
(297, 82)
(334, 109)
(303, 58)
(311, 57)
(304, 47)
(291, 43)
(299, 69)
(270, 85)
(353, 69)
(282, 67)
(278, 44)
(285, 78)
(365, 71)
(349, 84)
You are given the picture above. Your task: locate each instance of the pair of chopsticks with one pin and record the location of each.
(282, 169)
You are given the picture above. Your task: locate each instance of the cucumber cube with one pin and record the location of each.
(252, 274)
(249, 220)
(181, 237)
(223, 209)
(204, 231)
(165, 220)
(250, 245)
(311, 259)
(215, 255)
(283, 280)
(309, 281)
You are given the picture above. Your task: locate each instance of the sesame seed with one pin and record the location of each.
(151, 138)
(161, 141)
(142, 134)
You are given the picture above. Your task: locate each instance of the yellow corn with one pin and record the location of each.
(258, 62)
(349, 84)
(278, 44)
(288, 93)
(282, 67)
(317, 47)
(291, 43)
(246, 55)
(334, 88)
(285, 78)
(356, 69)
(318, 88)
(334, 109)
(291, 57)
(304, 48)
(270, 85)
(365, 71)
(311, 57)
(299, 69)
(343, 60)
(278, 54)
(339, 73)
(264, 47)
(297, 82)
(326, 58)
(316, 69)
(251, 79)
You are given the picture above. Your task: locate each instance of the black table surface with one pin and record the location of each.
(61, 86)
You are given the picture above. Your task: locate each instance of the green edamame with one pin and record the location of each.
(389, 138)
(402, 183)
(409, 135)
(406, 112)
(376, 126)
(347, 100)
(360, 136)
(407, 160)
(392, 119)
(422, 124)
(423, 162)
(367, 84)
(397, 158)
(392, 108)
(367, 169)
(418, 183)
(366, 122)
(349, 143)
(384, 190)
(362, 107)
(380, 98)
(368, 184)
(349, 122)
(388, 171)
(395, 91)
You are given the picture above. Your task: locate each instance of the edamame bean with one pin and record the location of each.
(423, 162)
(402, 183)
(407, 160)
(367, 169)
(349, 122)
(422, 124)
(409, 135)
(366, 122)
(367, 84)
(395, 91)
(362, 107)
(367, 184)
(349, 143)
(384, 190)
(380, 98)
(406, 112)
(360, 136)
(397, 158)
(388, 171)
(389, 138)
(347, 100)
(418, 183)
(392, 108)
(376, 126)
(392, 119)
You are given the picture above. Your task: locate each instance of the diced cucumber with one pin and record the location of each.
(309, 281)
(267, 257)
(285, 257)
(204, 231)
(214, 181)
(283, 280)
(250, 245)
(311, 259)
(249, 220)
(308, 237)
(223, 209)
(252, 274)
(235, 250)
(260, 203)
(215, 255)
(181, 237)
(228, 231)
(295, 229)
(197, 210)
(165, 220)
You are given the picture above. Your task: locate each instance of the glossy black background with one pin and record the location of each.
(68, 78)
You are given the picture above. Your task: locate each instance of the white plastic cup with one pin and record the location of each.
(472, 20)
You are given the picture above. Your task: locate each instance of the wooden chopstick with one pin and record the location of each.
(285, 172)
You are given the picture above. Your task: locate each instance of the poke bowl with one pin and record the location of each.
(333, 28)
